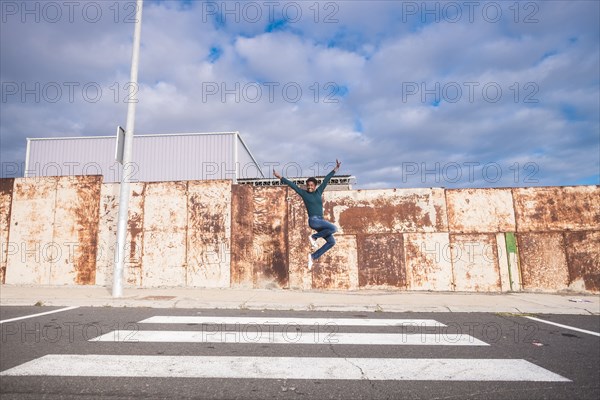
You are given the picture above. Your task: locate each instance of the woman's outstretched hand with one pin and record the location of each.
(337, 165)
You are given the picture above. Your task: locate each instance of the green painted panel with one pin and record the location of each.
(511, 242)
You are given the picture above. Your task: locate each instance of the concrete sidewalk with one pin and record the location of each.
(263, 299)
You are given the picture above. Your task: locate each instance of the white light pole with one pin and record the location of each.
(117, 290)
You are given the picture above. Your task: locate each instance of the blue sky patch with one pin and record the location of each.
(215, 54)
(276, 25)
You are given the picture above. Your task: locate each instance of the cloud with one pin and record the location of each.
(406, 94)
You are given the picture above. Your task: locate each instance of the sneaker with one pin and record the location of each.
(310, 261)
(313, 242)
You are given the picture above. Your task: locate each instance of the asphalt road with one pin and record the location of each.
(568, 359)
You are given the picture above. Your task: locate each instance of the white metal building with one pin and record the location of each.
(168, 157)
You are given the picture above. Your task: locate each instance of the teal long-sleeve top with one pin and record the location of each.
(313, 201)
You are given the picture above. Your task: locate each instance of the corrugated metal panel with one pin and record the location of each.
(381, 261)
(428, 261)
(543, 261)
(31, 230)
(209, 234)
(72, 156)
(480, 210)
(164, 234)
(338, 268)
(6, 190)
(184, 157)
(155, 158)
(107, 235)
(583, 255)
(475, 262)
(387, 211)
(557, 208)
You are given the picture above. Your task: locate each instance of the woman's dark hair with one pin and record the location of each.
(313, 180)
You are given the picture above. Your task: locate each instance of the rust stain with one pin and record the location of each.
(557, 208)
(583, 255)
(381, 260)
(543, 261)
(337, 269)
(388, 213)
(428, 261)
(355, 219)
(164, 236)
(201, 215)
(480, 210)
(269, 236)
(475, 263)
(32, 210)
(6, 192)
(87, 218)
(298, 231)
(135, 223)
(33, 188)
(208, 244)
(241, 235)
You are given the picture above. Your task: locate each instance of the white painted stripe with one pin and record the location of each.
(167, 319)
(564, 326)
(39, 314)
(253, 336)
(415, 369)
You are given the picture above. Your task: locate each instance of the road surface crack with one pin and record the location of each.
(363, 375)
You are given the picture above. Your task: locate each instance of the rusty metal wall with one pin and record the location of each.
(583, 258)
(164, 244)
(260, 237)
(6, 191)
(338, 268)
(480, 210)
(270, 229)
(428, 261)
(387, 211)
(208, 247)
(76, 230)
(178, 234)
(215, 234)
(54, 227)
(543, 261)
(381, 261)
(373, 225)
(557, 231)
(31, 229)
(242, 251)
(107, 235)
(475, 262)
(569, 208)
(299, 247)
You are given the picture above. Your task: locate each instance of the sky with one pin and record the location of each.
(455, 94)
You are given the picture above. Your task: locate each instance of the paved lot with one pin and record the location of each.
(223, 354)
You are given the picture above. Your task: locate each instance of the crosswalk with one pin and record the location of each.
(281, 332)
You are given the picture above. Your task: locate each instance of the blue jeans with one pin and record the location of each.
(324, 230)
